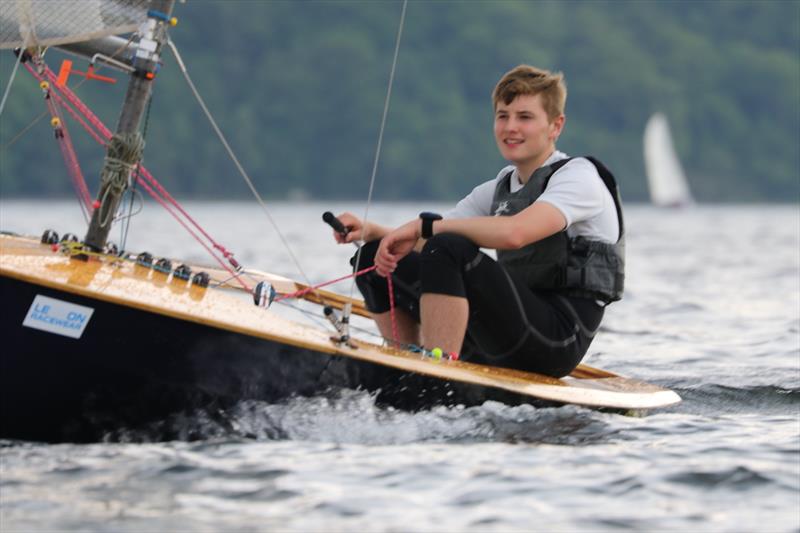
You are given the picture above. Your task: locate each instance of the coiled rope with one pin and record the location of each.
(123, 153)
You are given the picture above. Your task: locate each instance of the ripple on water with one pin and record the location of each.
(348, 416)
(720, 399)
(737, 479)
(721, 328)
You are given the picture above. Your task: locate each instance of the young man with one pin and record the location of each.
(556, 223)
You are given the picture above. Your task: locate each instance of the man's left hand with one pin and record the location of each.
(395, 246)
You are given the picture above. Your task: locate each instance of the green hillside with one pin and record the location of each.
(298, 87)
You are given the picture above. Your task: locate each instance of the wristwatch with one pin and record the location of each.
(427, 223)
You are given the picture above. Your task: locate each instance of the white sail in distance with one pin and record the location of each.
(54, 22)
(665, 176)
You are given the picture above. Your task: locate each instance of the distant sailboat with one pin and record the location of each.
(665, 176)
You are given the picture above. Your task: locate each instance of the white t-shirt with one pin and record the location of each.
(575, 189)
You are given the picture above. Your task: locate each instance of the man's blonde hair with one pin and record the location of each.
(528, 80)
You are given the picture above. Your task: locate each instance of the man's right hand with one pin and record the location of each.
(354, 226)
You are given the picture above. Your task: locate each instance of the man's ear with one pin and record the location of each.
(557, 126)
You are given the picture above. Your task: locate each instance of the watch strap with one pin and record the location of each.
(428, 219)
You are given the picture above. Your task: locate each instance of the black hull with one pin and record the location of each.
(133, 367)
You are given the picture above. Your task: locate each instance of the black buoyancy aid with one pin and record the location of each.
(576, 266)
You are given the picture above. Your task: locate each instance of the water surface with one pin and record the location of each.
(712, 310)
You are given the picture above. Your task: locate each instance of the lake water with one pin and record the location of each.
(712, 310)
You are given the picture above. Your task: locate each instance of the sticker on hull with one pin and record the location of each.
(58, 316)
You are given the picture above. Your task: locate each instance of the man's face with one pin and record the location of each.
(523, 133)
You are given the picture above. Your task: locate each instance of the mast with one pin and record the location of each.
(126, 146)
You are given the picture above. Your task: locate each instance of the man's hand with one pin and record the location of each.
(354, 226)
(358, 230)
(395, 246)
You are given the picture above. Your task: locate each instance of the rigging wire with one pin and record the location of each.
(233, 157)
(102, 135)
(380, 133)
(11, 79)
(236, 162)
(36, 120)
(23, 131)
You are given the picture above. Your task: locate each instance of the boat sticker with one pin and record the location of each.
(58, 316)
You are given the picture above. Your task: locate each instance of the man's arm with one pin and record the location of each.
(536, 222)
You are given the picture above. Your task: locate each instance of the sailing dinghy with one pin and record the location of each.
(97, 339)
(665, 176)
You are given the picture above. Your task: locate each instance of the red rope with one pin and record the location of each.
(104, 132)
(159, 193)
(391, 309)
(146, 173)
(71, 159)
(68, 153)
(228, 255)
(302, 292)
(166, 206)
(315, 287)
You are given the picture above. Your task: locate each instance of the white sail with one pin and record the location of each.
(54, 22)
(665, 176)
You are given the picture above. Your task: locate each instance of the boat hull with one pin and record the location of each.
(134, 368)
(92, 346)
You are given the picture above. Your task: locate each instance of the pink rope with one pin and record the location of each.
(67, 148)
(391, 309)
(105, 132)
(315, 287)
(228, 255)
(166, 206)
(353, 275)
(70, 159)
(161, 195)
(64, 104)
(146, 173)
(79, 105)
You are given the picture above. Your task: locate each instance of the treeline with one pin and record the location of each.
(298, 87)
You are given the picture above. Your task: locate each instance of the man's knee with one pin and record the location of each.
(443, 262)
(374, 292)
(456, 248)
(367, 258)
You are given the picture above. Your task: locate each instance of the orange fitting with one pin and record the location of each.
(63, 73)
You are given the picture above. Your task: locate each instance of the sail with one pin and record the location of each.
(53, 22)
(665, 176)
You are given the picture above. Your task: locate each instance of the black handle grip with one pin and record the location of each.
(335, 223)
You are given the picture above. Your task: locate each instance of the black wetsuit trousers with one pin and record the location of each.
(509, 324)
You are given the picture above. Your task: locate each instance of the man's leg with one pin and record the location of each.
(444, 321)
(513, 326)
(407, 327)
(444, 307)
(374, 288)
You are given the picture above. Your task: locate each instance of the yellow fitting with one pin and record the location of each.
(55, 122)
(44, 85)
(173, 21)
